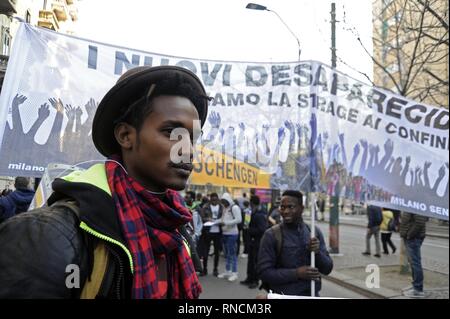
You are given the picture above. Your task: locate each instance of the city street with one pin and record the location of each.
(214, 288)
(435, 251)
(125, 152)
(435, 257)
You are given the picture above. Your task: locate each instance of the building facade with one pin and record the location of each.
(411, 49)
(58, 15)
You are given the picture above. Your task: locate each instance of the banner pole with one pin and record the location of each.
(313, 234)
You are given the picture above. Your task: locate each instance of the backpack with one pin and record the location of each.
(278, 234)
(93, 283)
(392, 225)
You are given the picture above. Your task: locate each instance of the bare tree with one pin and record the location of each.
(411, 47)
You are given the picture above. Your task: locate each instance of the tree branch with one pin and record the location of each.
(434, 13)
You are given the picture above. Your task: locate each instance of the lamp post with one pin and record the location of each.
(255, 6)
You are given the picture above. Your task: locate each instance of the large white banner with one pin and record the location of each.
(307, 125)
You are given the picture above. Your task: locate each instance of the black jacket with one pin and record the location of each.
(413, 226)
(258, 225)
(278, 269)
(38, 247)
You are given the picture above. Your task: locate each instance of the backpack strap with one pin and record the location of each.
(278, 234)
(94, 281)
(93, 284)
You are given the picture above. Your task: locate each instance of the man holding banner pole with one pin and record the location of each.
(292, 256)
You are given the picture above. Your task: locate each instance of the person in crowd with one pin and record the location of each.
(284, 259)
(412, 231)
(275, 216)
(231, 217)
(212, 232)
(198, 200)
(6, 190)
(246, 217)
(18, 201)
(321, 207)
(387, 227)
(375, 217)
(241, 200)
(121, 222)
(256, 229)
(196, 222)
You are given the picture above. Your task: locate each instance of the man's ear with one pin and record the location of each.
(125, 135)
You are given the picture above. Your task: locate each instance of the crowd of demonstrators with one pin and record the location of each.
(412, 231)
(121, 221)
(284, 256)
(278, 243)
(18, 201)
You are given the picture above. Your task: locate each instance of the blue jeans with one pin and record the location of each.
(415, 260)
(229, 249)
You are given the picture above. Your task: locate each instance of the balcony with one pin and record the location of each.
(60, 10)
(8, 7)
(47, 19)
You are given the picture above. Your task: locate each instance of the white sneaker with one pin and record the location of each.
(233, 276)
(244, 255)
(224, 275)
(413, 293)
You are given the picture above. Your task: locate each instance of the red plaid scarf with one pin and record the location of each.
(150, 228)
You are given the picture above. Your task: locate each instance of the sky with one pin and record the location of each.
(226, 30)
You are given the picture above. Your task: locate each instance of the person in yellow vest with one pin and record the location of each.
(387, 227)
(116, 230)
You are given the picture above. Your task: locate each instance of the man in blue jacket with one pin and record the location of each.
(287, 270)
(18, 201)
(375, 217)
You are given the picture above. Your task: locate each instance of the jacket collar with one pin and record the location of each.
(91, 192)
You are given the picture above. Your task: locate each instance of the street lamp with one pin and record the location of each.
(255, 6)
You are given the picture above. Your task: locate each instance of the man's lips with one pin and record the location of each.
(183, 166)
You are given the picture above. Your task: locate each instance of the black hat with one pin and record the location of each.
(132, 86)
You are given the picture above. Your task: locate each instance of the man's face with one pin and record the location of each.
(148, 158)
(224, 203)
(214, 200)
(188, 199)
(291, 210)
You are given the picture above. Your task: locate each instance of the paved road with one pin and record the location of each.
(435, 255)
(214, 288)
(435, 251)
